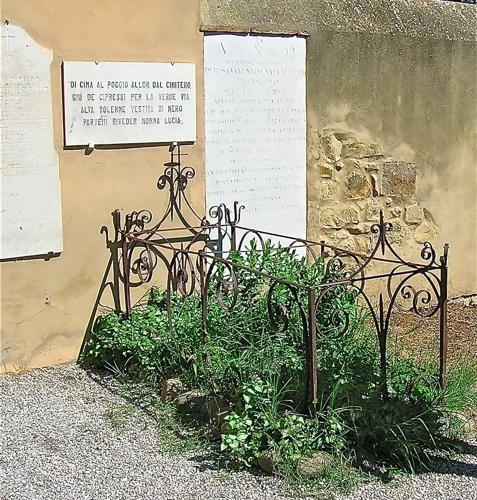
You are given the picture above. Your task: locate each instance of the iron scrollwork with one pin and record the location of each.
(200, 262)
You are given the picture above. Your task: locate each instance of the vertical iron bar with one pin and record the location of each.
(233, 237)
(382, 338)
(443, 319)
(203, 294)
(179, 172)
(382, 231)
(169, 290)
(127, 288)
(311, 354)
(114, 247)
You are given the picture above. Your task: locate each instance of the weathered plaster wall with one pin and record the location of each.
(415, 98)
(417, 18)
(46, 305)
(401, 75)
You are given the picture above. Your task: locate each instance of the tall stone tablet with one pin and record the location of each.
(30, 186)
(128, 102)
(255, 128)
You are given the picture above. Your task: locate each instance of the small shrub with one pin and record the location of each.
(245, 359)
(459, 398)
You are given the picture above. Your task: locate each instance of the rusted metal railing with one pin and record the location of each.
(192, 252)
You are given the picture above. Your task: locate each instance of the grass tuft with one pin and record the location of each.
(257, 370)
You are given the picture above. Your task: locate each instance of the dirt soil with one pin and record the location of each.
(412, 332)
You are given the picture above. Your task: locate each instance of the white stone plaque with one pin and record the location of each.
(128, 102)
(255, 128)
(30, 222)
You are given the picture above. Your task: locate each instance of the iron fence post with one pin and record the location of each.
(443, 318)
(312, 381)
(233, 237)
(114, 247)
(127, 288)
(322, 248)
(203, 293)
(382, 340)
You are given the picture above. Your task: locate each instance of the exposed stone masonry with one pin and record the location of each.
(350, 182)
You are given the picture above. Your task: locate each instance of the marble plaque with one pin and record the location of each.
(30, 186)
(255, 128)
(128, 102)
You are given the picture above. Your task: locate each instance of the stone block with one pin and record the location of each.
(328, 189)
(362, 228)
(340, 235)
(414, 214)
(357, 184)
(347, 244)
(399, 233)
(313, 233)
(314, 465)
(359, 149)
(427, 231)
(331, 147)
(326, 170)
(170, 389)
(372, 209)
(363, 244)
(190, 401)
(396, 211)
(268, 461)
(313, 214)
(398, 178)
(374, 177)
(330, 219)
(349, 215)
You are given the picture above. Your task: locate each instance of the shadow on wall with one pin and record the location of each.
(139, 244)
(111, 281)
(351, 181)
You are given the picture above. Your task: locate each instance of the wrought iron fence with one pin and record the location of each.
(192, 253)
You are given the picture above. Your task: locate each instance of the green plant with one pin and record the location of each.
(247, 359)
(459, 398)
(119, 416)
(263, 420)
(336, 476)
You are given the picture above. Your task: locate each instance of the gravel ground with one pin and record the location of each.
(454, 479)
(57, 444)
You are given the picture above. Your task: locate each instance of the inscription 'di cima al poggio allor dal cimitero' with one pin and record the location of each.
(122, 102)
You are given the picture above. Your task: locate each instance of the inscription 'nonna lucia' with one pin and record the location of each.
(103, 108)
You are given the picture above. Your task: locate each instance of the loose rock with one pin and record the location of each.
(170, 389)
(191, 401)
(268, 461)
(312, 466)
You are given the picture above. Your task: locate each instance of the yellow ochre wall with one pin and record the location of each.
(46, 305)
(402, 80)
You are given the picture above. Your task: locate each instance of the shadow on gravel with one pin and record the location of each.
(204, 459)
(455, 466)
(143, 398)
(210, 459)
(441, 464)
